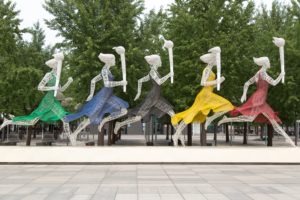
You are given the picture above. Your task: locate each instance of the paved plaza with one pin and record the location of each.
(151, 182)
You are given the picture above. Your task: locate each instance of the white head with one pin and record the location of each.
(262, 62)
(52, 63)
(108, 59)
(212, 57)
(153, 60)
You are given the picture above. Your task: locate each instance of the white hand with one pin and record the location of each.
(89, 97)
(56, 88)
(279, 42)
(222, 79)
(137, 96)
(244, 97)
(70, 79)
(124, 83)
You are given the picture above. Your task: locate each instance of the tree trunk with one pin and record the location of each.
(203, 135)
(227, 132)
(28, 139)
(245, 133)
(189, 135)
(270, 135)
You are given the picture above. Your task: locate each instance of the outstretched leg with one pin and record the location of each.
(82, 125)
(128, 121)
(178, 134)
(237, 119)
(20, 123)
(66, 128)
(112, 116)
(279, 130)
(210, 119)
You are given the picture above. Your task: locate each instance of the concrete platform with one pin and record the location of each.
(134, 155)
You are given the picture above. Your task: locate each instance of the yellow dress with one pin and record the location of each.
(205, 101)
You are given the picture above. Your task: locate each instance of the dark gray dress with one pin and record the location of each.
(153, 104)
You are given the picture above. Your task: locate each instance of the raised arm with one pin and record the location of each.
(205, 76)
(270, 80)
(246, 86)
(63, 88)
(140, 83)
(42, 85)
(158, 80)
(93, 85)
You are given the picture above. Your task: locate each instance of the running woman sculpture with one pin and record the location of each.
(104, 102)
(206, 99)
(50, 109)
(256, 108)
(154, 103)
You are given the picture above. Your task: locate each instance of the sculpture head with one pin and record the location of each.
(108, 59)
(153, 60)
(52, 63)
(209, 59)
(213, 57)
(262, 62)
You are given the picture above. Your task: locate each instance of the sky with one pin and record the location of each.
(32, 12)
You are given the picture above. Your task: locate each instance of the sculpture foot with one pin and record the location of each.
(182, 140)
(73, 140)
(175, 141)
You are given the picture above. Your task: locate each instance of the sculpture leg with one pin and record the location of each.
(279, 130)
(128, 121)
(178, 134)
(111, 117)
(237, 119)
(20, 123)
(5, 123)
(82, 125)
(210, 119)
(66, 128)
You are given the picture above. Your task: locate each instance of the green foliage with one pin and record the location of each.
(22, 63)
(242, 29)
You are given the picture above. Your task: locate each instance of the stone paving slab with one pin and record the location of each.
(150, 182)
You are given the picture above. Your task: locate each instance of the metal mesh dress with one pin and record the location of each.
(49, 110)
(104, 102)
(154, 104)
(257, 106)
(205, 102)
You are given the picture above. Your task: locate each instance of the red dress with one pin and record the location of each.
(257, 105)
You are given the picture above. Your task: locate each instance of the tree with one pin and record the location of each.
(198, 25)
(91, 27)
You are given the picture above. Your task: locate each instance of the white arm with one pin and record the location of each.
(42, 85)
(63, 88)
(93, 84)
(109, 83)
(246, 86)
(158, 80)
(205, 76)
(270, 80)
(140, 83)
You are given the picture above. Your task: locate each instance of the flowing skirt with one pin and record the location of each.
(49, 110)
(104, 102)
(257, 106)
(205, 102)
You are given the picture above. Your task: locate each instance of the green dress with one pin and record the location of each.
(49, 110)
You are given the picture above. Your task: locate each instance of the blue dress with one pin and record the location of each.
(104, 102)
